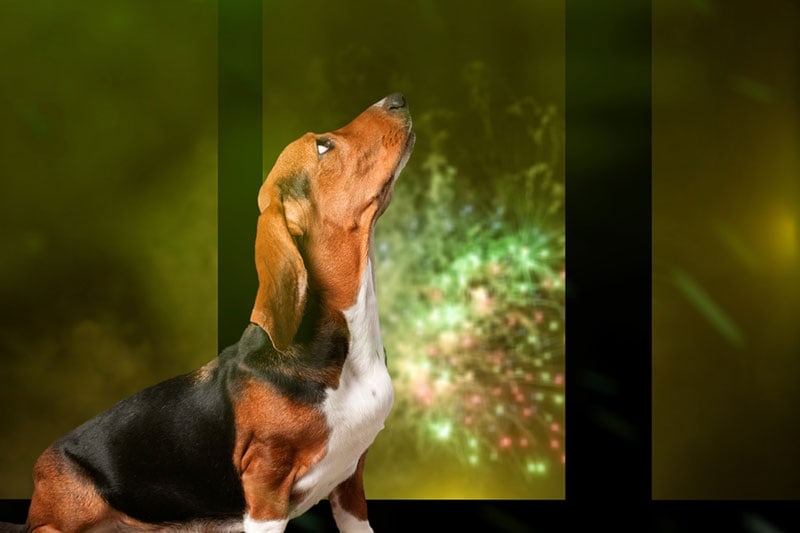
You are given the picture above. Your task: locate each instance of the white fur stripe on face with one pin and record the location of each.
(264, 526)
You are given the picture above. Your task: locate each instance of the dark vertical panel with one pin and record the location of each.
(608, 250)
(239, 160)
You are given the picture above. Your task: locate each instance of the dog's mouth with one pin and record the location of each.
(406, 155)
(385, 195)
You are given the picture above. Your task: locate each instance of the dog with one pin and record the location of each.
(284, 417)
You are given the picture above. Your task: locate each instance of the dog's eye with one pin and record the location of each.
(323, 145)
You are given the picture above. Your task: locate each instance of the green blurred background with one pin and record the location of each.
(726, 269)
(109, 219)
(108, 210)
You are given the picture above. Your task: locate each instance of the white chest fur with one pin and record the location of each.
(357, 409)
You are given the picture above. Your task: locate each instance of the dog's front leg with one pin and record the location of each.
(349, 504)
(267, 484)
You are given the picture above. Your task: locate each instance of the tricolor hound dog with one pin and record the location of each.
(284, 417)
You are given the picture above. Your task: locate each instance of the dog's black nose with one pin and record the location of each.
(394, 101)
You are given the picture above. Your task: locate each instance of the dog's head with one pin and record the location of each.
(319, 204)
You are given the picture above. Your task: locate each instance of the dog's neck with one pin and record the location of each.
(349, 291)
(362, 318)
(336, 267)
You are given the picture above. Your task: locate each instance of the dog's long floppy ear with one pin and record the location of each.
(282, 275)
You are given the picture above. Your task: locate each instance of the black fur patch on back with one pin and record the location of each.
(165, 453)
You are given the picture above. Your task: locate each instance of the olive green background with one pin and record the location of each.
(726, 263)
(108, 210)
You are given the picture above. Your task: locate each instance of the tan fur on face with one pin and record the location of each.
(328, 205)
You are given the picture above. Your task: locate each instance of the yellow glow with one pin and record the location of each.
(783, 238)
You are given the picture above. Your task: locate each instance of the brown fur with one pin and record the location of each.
(65, 499)
(349, 495)
(277, 442)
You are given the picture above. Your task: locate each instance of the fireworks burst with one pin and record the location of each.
(483, 372)
(472, 282)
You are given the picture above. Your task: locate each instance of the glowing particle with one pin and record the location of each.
(536, 467)
(505, 442)
(442, 430)
(523, 442)
(558, 399)
(473, 460)
(554, 444)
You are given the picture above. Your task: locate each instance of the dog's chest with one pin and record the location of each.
(355, 411)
